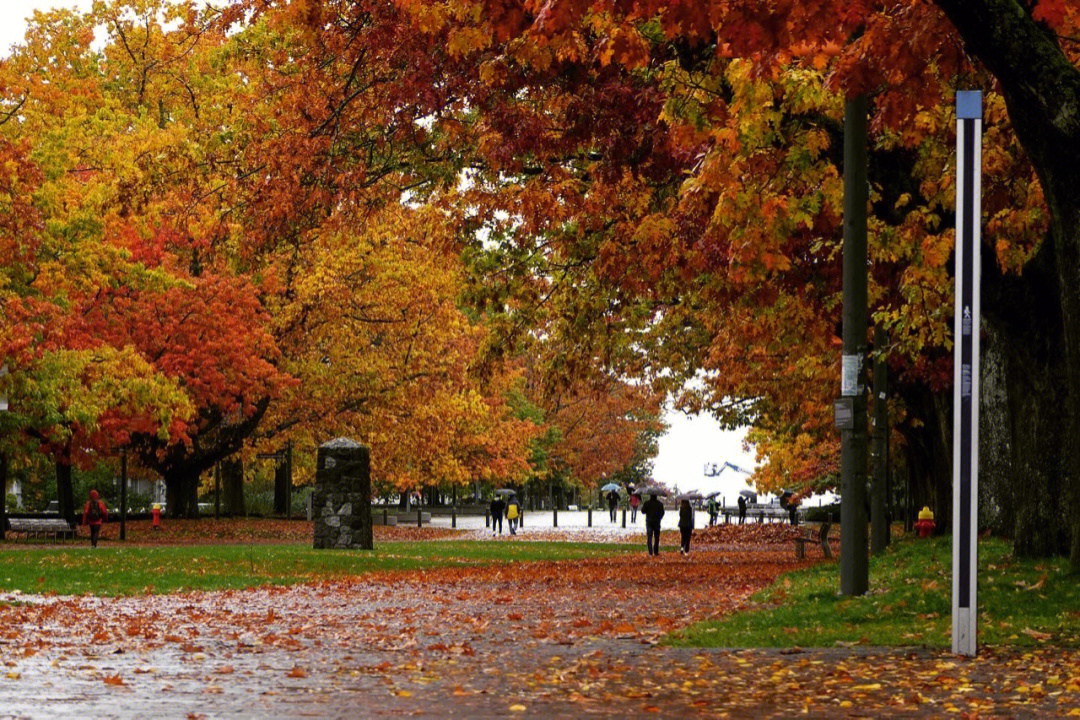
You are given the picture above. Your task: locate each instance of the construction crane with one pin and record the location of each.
(714, 470)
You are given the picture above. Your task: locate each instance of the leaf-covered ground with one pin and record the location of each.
(540, 639)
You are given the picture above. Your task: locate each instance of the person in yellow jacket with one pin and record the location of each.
(513, 512)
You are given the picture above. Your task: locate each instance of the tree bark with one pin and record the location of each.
(281, 488)
(1041, 88)
(65, 493)
(232, 485)
(182, 493)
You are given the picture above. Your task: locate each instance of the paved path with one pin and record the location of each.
(538, 640)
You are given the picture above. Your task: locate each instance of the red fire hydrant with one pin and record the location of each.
(926, 524)
(155, 523)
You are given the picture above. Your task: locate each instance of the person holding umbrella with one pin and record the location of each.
(686, 524)
(497, 508)
(635, 500)
(653, 510)
(742, 508)
(613, 503)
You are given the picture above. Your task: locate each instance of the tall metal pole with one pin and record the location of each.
(123, 493)
(288, 480)
(879, 499)
(966, 372)
(854, 567)
(3, 495)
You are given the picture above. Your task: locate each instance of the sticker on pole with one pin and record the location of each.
(849, 375)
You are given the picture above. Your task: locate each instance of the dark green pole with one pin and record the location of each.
(3, 495)
(288, 480)
(123, 493)
(879, 499)
(854, 567)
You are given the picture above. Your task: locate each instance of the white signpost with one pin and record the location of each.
(966, 371)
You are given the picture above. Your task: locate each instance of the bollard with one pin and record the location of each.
(419, 518)
(555, 516)
(727, 518)
(384, 516)
(453, 517)
(521, 518)
(624, 518)
(760, 517)
(590, 516)
(487, 519)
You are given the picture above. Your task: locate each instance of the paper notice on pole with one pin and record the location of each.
(3, 392)
(849, 375)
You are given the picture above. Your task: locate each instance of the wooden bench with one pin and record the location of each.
(823, 539)
(55, 528)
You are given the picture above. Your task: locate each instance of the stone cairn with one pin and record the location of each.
(341, 501)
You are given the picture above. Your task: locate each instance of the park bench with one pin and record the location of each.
(822, 538)
(55, 528)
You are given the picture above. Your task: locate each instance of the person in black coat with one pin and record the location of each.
(653, 510)
(686, 525)
(497, 508)
(613, 503)
(742, 509)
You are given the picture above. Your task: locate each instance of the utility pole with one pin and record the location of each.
(123, 493)
(854, 565)
(879, 499)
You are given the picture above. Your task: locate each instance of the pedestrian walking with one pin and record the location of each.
(513, 511)
(686, 525)
(653, 510)
(94, 514)
(635, 501)
(714, 510)
(497, 509)
(742, 509)
(612, 503)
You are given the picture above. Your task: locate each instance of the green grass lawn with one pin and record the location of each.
(134, 570)
(1021, 602)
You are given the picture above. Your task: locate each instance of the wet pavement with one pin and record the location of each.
(529, 639)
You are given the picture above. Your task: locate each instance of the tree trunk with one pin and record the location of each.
(281, 488)
(182, 493)
(929, 452)
(232, 486)
(997, 501)
(1041, 88)
(65, 493)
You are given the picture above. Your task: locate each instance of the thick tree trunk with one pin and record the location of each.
(65, 493)
(997, 501)
(929, 452)
(1042, 92)
(182, 493)
(232, 486)
(281, 488)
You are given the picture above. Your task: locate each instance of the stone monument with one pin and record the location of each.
(341, 501)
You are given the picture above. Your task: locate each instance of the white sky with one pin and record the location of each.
(690, 441)
(13, 15)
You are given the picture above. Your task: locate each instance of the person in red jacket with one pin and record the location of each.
(93, 515)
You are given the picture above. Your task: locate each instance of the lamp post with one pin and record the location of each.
(3, 467)
(123, 493)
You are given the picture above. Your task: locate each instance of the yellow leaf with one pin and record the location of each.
(517, 708)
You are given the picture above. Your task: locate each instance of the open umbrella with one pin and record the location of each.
(695, 495)
(713, 494)
(611, 487)
(505, 491)
(653, 490)
(750, 495)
